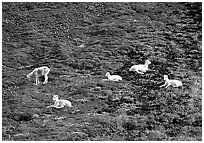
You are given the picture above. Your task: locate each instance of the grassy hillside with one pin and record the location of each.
(80, 42)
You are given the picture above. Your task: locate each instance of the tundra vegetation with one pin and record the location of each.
(80, 42)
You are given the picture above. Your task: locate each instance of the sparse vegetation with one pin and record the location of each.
(80, 42)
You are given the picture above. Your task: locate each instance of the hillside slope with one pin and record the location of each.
(80, 42)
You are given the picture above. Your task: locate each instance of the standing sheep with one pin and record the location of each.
(39, 72)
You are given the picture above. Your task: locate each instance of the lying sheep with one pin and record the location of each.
(60, 103)
(39, 72)
(168, 82)
(113, 77)
(140, 68)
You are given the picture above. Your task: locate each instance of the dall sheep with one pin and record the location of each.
(60, 103)
(168, 82)
(140, 68)
(38, 72)
(113, 77)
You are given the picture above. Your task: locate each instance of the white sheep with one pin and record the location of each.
(113, 77)
(60, 103)
(168, 82)
(38, 72)
(140, 68)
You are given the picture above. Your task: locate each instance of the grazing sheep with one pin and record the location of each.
(140, 68)
(38, 73)
(113, 77)
(60, 103)
(168, 82)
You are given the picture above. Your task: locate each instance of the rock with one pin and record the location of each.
(36, 116)
(127, 99)
(97, 88)
(21, 116)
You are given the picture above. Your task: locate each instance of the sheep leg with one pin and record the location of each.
(46, 79)
(50, 106)
(139, 72)
(36, 80)
(61, 106)
(55, 104)
(167, 85)
(163, 85)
